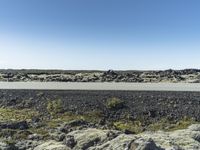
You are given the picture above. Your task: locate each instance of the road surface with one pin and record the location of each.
(101, 86)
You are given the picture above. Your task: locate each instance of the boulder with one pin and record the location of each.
(22, 125)
(90, 137)
(70, 141)
(52, 145)
(185, 139)
(143, 144)
(128, 142)
(121, 142)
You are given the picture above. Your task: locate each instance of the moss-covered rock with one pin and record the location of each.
(115, 103)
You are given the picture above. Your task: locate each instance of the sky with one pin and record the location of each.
(100, 34)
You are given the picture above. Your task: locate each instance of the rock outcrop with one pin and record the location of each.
(97, 139)
(187, 139)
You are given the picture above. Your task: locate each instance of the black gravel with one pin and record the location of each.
(147, 105)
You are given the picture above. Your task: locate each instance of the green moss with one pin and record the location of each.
(114, 103)
(60, 118)
(21, 135)
(40, 131)
(7, 114)
(159, 125)
(93, 117)
(135, 127)
(53, 123)
(163, 124)
(167, 125)
(55, 107)
(182, 124)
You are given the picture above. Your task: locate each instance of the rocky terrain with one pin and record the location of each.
(172, 76)
(98, 139)
(99, 120)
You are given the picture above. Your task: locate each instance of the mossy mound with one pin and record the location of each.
(115, 103)
(8, 114)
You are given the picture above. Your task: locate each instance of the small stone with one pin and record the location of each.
(70, 141)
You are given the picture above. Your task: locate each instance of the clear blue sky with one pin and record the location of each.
(100, 34)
